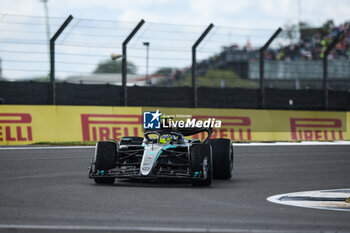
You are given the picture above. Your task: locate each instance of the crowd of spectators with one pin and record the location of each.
(310, 46)
(313, 46)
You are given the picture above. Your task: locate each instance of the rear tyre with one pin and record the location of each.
(201, 164)
(222, 158)
(104, 160)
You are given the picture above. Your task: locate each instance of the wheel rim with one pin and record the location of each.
(205, 167)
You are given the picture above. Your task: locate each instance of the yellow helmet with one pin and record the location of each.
(165, 139)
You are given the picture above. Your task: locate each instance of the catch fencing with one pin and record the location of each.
(177, 65)
(36, 93)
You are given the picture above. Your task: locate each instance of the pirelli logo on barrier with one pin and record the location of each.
(16, 127)
(307, 129)
(100, 127)
(234, 128)
(21, 125)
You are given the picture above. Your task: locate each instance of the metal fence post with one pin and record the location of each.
(194, 64)
(52, 58)
(124, 62)
(261, 66)
(325, 68)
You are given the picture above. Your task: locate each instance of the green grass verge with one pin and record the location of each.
(74, 143)
(214, 78)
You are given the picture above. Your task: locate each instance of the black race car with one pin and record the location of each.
(163, 153)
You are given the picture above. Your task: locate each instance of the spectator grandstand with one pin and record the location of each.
(292, 62)
(312, 46)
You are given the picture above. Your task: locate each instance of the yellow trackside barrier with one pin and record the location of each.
(24, 124)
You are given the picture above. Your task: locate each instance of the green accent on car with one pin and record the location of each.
(161, 151)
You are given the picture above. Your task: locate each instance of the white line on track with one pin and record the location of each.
(315, 199)
(12, 227)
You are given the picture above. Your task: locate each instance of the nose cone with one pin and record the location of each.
(150, 156)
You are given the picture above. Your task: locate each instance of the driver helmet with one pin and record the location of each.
(165, 139)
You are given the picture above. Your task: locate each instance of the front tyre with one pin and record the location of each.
(104, 160)
(222, 158)
(201, 164)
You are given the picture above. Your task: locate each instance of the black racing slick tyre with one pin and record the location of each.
(105, 158)
(201, 164)
(222, 158)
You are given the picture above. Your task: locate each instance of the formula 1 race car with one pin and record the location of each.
(163, 153)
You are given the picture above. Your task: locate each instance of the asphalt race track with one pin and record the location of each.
(48, 190)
